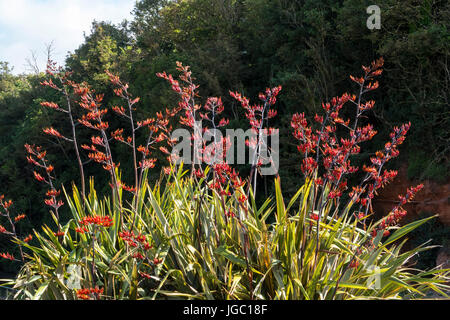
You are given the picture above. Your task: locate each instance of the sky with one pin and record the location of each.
(28, 26)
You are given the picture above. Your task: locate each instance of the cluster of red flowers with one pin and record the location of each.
(36, 157)
(324, 142)
(89, 293)
(58, 233)
(215, 151)
(7, 256)
(135, 241)
(225, 176)
(187, 93)
(329, 156)
(28, 238)
(159, 129)
(397, 212)
(63, 78)
(226, 181)
(101, 221)
(64, 88)
(376, 178)
(5, 206)
(93, 119)
(141, 247)
(257, 115)
(19, 217)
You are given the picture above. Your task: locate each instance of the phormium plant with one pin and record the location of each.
(198, 233)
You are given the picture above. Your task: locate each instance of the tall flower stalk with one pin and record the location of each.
(64, 84)
(257, 115)
(158, 131)
(5, 212)
(36, 157)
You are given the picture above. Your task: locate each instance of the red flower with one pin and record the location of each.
(119, 110)
(58, 234)
(88, 293)
(199, 173)
(7, 256)
(50, 105)
(19, 217)
(230, 214)
(104, 221)
(242, 198)
(53, 193)
(53, 132)
(5, 204)
(147, 163)
(145, 275)
(53, 203)
(136, 100)
(38, 177)
(138, 256)
(81, 230)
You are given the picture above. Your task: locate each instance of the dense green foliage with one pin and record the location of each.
(305, 46)
(198, 251)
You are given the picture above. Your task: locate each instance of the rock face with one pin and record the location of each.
(443, 258)
(434, 198)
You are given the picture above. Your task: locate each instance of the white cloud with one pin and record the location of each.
(28, 25)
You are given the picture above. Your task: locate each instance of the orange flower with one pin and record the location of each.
(19, 217)
(135, 100)
(53, 132)
(53, 193)
(164, 149)
(127, 188)
(119, 110)
(87, 294)
(7, 256)
(32, 161)
(53, 203)
(50, 105)
(5, 204)
(147, 163)
(138, 256)
(38, 176)
(104, 221)
(242, 198)
(97, 141)
(81, 230)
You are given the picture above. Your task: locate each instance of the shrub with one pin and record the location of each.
(198, 233)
